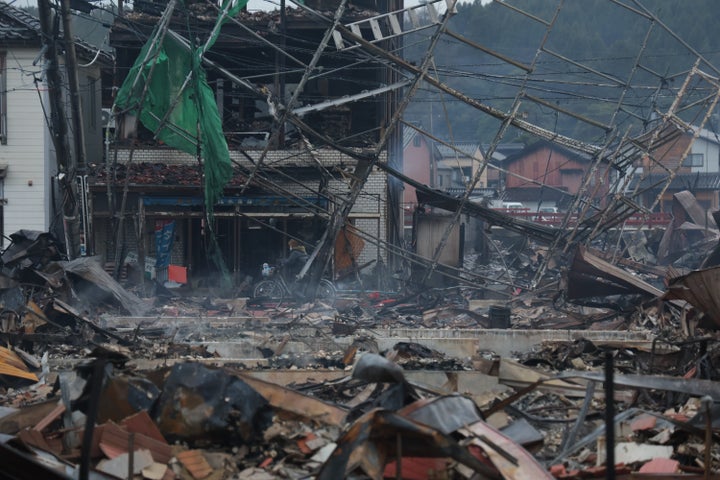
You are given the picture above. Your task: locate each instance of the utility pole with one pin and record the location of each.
(71, 69)
(79, 154)
(49, 26)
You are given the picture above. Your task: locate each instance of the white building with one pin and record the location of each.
(704, 156)
(27, 156)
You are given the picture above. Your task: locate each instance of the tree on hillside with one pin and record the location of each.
(597, 33)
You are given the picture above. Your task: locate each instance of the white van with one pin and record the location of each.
(513, 205)
(548, 210)
(547, 215)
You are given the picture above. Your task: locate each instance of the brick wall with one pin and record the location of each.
(328, 158)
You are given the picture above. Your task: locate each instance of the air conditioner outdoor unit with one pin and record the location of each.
(108, 120)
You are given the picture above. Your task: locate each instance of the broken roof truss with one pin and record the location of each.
(378, 41)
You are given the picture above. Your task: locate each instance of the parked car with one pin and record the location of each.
(548, 210)
(546, 214)
(513, 205)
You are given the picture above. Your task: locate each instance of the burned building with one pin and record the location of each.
(298, 108)
(32, 156)
(306, 105)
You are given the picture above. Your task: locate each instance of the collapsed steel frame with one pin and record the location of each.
(618, 151)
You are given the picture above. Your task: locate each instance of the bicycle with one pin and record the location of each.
(275, 287)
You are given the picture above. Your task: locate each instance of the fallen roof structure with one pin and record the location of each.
(370, 38)
(495, 376)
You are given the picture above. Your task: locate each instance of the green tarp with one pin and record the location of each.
(179, 106)
(180, 115)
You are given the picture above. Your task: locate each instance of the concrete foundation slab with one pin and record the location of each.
(250, 333)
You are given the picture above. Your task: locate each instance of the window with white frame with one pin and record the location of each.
(694, 160)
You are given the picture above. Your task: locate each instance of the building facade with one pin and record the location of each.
(287, 181)
(694, 160)
(29, 191)
(544, 174)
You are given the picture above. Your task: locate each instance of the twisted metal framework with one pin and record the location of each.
(616, 149)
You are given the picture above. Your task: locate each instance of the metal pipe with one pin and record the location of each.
(707, 402)
(609, 417)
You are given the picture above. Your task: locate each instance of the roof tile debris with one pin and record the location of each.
(146, 173)
(18, 27)
(363, 384)
(16, 24)
(148, 12)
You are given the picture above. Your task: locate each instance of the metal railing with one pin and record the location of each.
(654, 219)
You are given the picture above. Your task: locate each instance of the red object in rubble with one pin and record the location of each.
(661, 465)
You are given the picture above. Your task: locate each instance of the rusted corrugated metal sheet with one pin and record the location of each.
(142, 423)
(348, 247)
(511, 460)
(417, 468)
(115, 440)
(379, 435)
(590, 276)
(701, 289)
(285, 399)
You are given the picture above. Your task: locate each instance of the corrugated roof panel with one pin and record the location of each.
(11, 371)
(16, 24)
(682, 181)
(470, 149)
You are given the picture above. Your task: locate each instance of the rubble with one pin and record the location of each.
(570, 344)
(97, 379)
(224, 422)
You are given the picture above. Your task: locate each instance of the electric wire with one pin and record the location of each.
(527, 83)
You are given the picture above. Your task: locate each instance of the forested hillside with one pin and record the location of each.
(603, 35)
(590, 50)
